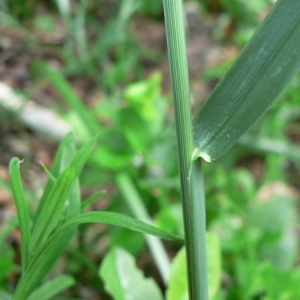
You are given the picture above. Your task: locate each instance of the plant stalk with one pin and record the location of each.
(191, 177)
(135, 204)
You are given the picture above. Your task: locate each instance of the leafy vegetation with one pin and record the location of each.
(92, 70)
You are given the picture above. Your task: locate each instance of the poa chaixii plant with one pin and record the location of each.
(261, 72)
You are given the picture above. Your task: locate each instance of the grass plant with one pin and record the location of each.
(258, 249)
(263, 69)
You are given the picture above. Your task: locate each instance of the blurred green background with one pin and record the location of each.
(101, 67)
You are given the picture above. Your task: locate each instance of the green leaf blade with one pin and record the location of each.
(122, 220)
(86, 203)
(55, 171)
(52, 287)
(52, 208)
(124, 280)
(264, 68)
(22, 207)
(178, 286)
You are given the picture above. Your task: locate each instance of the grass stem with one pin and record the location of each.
(191, 179)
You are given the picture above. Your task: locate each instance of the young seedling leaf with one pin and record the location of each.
(82, 155)
(46, 256)
(66, 153)
(178, 286)
(51, 212)
(55, 171)
(123, 280)
(266, 65)
(48, 172)
(41, 263)
(117, 219)
(52, 287)
(72, 205)
(22, 207)
(92, 199)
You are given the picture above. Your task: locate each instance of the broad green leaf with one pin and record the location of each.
(124, 281)
(51, 212)
(22, 207)
(281, 284)
(266, 65)
(178, 287)
(117, 219)
(52, 287)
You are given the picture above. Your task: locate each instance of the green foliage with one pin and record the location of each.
(255, 237)
(256, 79)
(178, 288)
(52, 288)
(123, 280)
(244, 15)
(56, 221)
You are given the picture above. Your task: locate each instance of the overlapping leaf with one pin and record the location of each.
(264, 68)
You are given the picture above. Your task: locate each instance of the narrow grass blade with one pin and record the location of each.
(45, 257)
(123, 280)
(52, 287)
(117, 219)
(55, 171)
(22, 207)
(263, 69)
(65, 155)
(68, 94)
(138, 209)
(41, 264)
(51, 212)
(48, 172)
(82, 155)
(52, 209)
(72, 205)
(92, 200)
